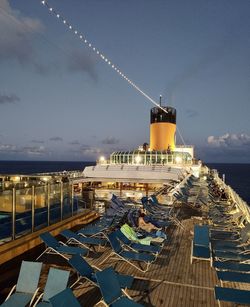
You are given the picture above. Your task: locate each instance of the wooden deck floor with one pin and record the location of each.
(170, 281)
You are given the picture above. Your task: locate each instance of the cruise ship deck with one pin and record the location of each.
(170, 281)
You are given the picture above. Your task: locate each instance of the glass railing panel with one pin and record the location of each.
(23, 218)
(67, 208)
(40, 207)
(5, 216)
(55, 202)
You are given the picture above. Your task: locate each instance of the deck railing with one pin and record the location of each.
(26, 210)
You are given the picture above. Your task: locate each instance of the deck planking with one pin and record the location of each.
(170, 281)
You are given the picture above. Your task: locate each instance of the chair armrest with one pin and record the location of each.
(11, 291)
(33, 297)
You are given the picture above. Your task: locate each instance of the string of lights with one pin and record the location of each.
(83, 38)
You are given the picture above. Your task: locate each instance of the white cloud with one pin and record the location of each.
(16, 38)
(231, 140)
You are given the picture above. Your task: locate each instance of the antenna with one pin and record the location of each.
(160, 99)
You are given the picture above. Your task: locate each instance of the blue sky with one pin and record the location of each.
(60, 101)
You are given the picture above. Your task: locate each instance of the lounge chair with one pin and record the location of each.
(232, 295)
(232, 266)
(225, 255)
(200, 248)
(56, 282)
(59, 248)
(128, 256)
(95, 230)
(27, 285)
(138, 247)
(65, 298)
(233, 276)
(85, 271)
(111, 291)
(75, 238)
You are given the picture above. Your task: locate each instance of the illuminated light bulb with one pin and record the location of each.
(90, 45)
(75, 32)
(85, 41)
(80, 36)
(51, 9)
(137, 159)
(106, 60)
(94, 48)
(57, 15)
(109, 62)
(64, 21)
(43, 2)
(97, 52)
(70, 27)
(113, 66)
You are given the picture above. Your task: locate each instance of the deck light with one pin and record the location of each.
(138, 159)
(178, 159)
(102, 159)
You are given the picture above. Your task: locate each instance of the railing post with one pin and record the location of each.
(61, 199)
(13, 213)
(32, 209)
(72, 199)
(48, 202)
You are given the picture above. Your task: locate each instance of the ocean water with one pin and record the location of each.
(29, 167)
(237, 175)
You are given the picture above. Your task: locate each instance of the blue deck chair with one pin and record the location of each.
(137, 246)
(232, 295)
(111, 291)
(56, 282)
(128, 256)
(74, 238)
(27, 285)
(200, 248)
(85, 271)
(233, 276)
(59, 248)
(65, 298)
(232, 266)
(95, 230)
(225, 255)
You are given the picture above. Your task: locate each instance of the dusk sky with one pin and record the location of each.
(60, 101)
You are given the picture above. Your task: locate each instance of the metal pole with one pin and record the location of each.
(72, 199)
(13, 213)
(61, 199)
(32, 209)
(48, 203)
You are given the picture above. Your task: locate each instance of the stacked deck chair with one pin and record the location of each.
(25, 290)
(111, 290)
(74, 238)
(129, 256)
(56, 247)
(87, 272)
(232, 245)
(232, 295)
(97, 230)
(200, 248)
(65, 298)
(56, 282)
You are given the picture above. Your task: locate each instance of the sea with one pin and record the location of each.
(236, 175)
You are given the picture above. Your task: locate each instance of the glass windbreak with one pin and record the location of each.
(67, 208)
(40, 207)
(55, 202)
(23, 217)
(5, 216)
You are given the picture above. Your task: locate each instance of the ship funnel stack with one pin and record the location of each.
(162, 128)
